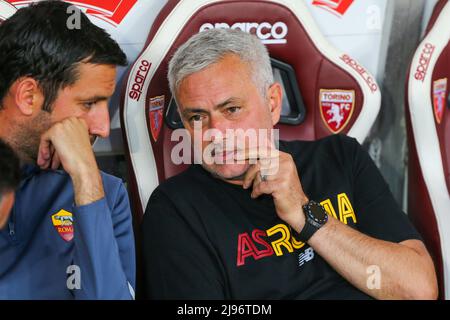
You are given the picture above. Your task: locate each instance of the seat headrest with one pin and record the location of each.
(428, 93)
(427, 103)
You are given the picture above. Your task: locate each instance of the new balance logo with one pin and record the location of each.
(305, 257)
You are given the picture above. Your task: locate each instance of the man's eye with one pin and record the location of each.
(233, 109)
(89, 105)
(196, 117)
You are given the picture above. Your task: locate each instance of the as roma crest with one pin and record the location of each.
(336, 108)
(439, 98)
(63, 223)
(156, 115)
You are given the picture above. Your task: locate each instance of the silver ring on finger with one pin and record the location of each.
(263, 176)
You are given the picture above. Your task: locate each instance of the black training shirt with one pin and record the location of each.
(207, 239)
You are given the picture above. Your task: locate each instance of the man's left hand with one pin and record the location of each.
(275, 173)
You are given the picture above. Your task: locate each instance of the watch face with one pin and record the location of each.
(318, 212)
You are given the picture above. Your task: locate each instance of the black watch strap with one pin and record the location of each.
(315, 217)
(307, 232)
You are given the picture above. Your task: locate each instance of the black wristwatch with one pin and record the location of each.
(315, 217)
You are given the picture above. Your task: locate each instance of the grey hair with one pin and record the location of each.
(209, 47)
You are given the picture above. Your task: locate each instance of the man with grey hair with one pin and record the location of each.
(321, 224)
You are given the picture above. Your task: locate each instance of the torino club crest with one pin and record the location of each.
(156, 115)
(439, 98)
(336, 108)
(111, 11)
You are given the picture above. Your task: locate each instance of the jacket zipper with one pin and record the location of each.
(12, 225)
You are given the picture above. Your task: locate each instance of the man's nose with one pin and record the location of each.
(216, 122)
(98, 121)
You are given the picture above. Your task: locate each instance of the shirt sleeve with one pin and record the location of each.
(179, 261)
(104, 249)
(379, 214)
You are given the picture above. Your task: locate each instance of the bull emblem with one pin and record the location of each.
(337, 113)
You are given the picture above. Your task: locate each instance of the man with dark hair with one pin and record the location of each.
(70, 232)
(9, 180)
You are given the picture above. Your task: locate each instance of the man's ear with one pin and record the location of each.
(275, 95)
(27, 95)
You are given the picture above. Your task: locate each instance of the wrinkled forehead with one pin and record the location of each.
(228, 78)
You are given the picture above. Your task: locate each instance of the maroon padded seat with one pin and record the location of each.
(428, 124)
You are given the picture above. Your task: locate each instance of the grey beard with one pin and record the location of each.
(215, 175)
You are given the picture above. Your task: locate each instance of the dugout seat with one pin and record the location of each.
(428, 125)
